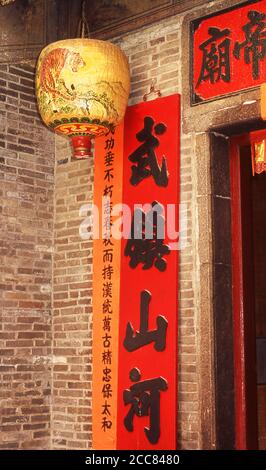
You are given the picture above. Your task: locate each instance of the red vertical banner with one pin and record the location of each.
(108, 173)
(147, 347)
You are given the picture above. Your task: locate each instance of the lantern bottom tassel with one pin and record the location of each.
(82, 146)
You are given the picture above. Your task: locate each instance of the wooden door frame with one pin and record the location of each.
(242, 435)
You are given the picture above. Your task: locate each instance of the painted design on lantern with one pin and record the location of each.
(82, 88)
(51, 69)
(61, 95)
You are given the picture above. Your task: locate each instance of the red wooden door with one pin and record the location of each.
(243, 290)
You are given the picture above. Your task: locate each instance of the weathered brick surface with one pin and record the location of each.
(72, 280)
(156, 56)
(26, 153)
(159, 59)
(153, 54)
(27, 189)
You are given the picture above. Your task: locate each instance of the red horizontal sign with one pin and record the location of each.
(229, 51)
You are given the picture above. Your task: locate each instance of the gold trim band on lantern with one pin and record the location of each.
(89, 129)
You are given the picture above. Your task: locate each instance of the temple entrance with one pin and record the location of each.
(248, 210)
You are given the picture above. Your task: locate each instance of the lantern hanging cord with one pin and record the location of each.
(83, 25)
